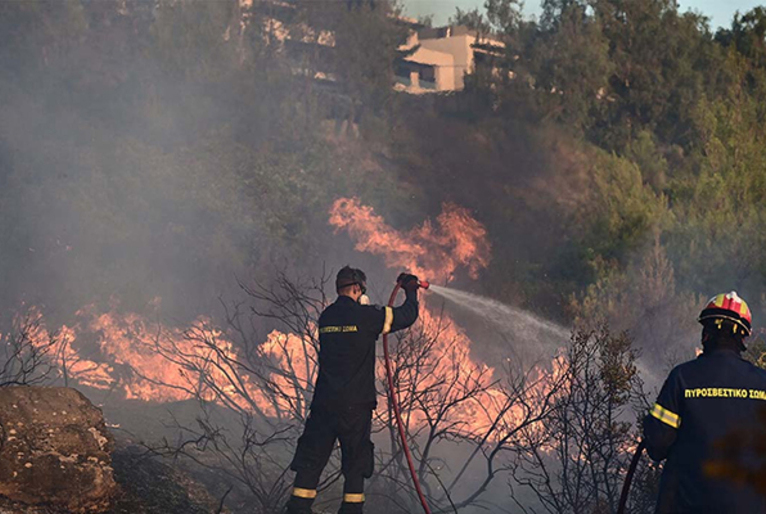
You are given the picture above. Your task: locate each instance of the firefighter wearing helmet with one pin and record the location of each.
(701, 402)
(344, 395)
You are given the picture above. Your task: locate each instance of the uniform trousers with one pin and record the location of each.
(351, 426)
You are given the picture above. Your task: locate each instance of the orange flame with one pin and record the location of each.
(153, 363)
(148, 362)
(448, 375)
(431, 251)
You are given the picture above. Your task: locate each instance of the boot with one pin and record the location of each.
(297, 505)
(351, 508)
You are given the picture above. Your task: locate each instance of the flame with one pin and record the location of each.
(448, 375)
(433, 251)
(85, 371)
(169, 364)
(59, 350)
(445, 374)
(150, 362)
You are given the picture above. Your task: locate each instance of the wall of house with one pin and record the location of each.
(460, 49)
(443, 64)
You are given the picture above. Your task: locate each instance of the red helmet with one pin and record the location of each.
(731, 307)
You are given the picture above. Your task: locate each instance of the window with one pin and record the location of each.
(427, 77)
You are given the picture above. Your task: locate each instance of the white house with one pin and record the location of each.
(442, 57)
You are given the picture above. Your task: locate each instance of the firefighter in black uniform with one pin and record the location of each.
(344, 395)
(701, 402)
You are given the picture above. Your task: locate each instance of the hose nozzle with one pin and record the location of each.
(407, 278)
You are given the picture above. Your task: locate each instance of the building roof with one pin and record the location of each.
(459, 30)
(431, 57)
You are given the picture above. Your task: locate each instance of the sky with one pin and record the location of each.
(720, 12)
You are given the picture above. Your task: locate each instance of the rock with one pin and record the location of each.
(55, 451)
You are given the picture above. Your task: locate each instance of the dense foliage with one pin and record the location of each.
(622, 152)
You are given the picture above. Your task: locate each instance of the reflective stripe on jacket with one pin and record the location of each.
(701, 403)
(347, 335)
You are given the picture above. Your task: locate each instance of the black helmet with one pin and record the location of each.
(349, 276)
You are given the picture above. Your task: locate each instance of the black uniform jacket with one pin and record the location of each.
(347, 335)
(703, 401)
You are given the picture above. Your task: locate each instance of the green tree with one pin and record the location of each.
(568, 65)
(747, 35)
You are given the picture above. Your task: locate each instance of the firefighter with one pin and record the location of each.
(344, 395)
(701, 402)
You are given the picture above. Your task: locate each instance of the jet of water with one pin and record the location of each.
(512, 320)
(521, 324)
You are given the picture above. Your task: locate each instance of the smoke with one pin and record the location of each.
(107, 189)
(160, 150)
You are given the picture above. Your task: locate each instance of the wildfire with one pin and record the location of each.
(150, 362)
(432, 251)
(443, 373)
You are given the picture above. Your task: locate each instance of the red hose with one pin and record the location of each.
(397, 413)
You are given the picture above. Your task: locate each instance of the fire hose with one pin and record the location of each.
(629, 477)
(403, 435)
(395, 406)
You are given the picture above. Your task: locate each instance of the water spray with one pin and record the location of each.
(524, 324)
(395, 404)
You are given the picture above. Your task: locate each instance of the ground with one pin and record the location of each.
(146, 486)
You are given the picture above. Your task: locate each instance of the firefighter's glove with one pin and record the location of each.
(409, 282)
